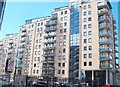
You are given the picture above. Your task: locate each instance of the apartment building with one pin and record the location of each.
(44, 46)
(97, 54)
(8, 50)
(81, 37)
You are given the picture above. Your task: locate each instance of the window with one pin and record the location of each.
(38, 24)
(35, 59)
(85, 6)
(65, 30)
(65, 18)
(60, 44)
(61, 19)
(34, 71)
(37, 41)
(89, 19)
(63, 64)
(64, 43)
(40, 35)
(62, 13)
(61, 31)
(89, 6)
(85, 26)
(58, 71)
(85, 33)
(89, 12)
(90, 40)
(85, 40)
(61, 24)
(34, 65)
(60, 50)
(85, 48)
(35, 52)
(37, 71)
(32, 25)
(64, 50)
(65, 24)
(85, 13)
(65, 12)
(90, 63)
(90, 33)
(63, 71)
(60, 37)
(85, 63)
(38, 58)
(41, 23)
(85, 55)
(89, 25)
(64, 36)
(90, 55)
(90, 47)
(85, 20)
(38, 52)
(59, 64)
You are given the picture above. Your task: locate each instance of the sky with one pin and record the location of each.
(17, 12)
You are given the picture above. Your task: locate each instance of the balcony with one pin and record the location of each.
(105, 41)
(115, 33)
(116, 51)
(103, 11)
(104, 19)
(50, 35)
(106, 66)
(20, 61)
(105, 49)
(19, 66)
(10, 41)
(21, 55)
(104, 34)
(48, 61)
(23, 40)
(115, 38)
(116, 44)
(114, 22)
(104, 26)
(54, 22)
(48, 54)
(21, 51)
(49, 41)
(49, 48)
(9, 56)
(105, 58)
(23, 29)
(116, 58)
(10, 51)
(102, 5)
(23, 34)
(51, 29)
(114, 27)
(54, 17)
(48, 24)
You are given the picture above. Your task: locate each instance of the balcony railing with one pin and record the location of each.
(105, 49)
(102, 5)
(21, 50)
(49, 47)
(105, 57)
(21, 55)
(50, 35)
(104, 26)
(49, 41)
(23, 29)
(47, 23)
(103, 11)
(48, 54)
(10, 41)
(105, 41)
(54, 17)
(48, 61)
(104, 18)
(104, 34)
(10, 51)
(54, 22)
(23, 34)
(106, 66)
